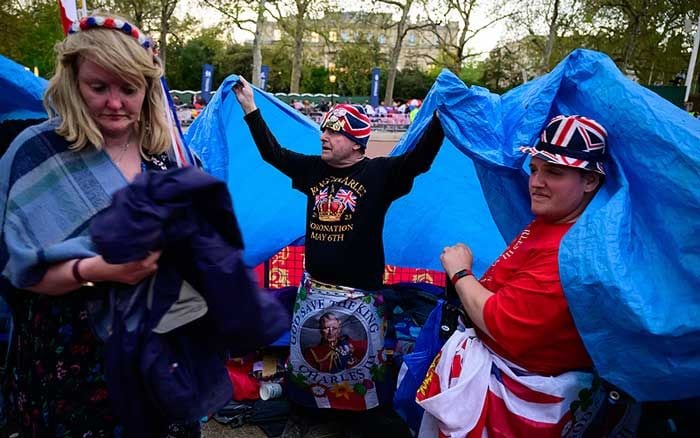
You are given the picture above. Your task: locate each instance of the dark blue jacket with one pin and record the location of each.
(165, 352)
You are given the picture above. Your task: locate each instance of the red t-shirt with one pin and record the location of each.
(528, 316)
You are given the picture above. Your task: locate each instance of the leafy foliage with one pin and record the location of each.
(646, 38)
(33, 33)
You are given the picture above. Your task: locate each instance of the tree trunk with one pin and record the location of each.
(395, 54)
(257, 43)
(393, 68)
(553, 27)
(167, 7)
(636, 18)
(163, 41)
(631, 44)
(298, 54)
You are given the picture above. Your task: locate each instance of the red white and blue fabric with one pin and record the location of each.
(69, 14)
(183, 155)
(321, 196)
(471, 392)
(347, 198)
(349, 120)
(95, 21)
(573, 141)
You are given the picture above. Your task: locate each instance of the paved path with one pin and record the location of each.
(382, 142)
(212, 429)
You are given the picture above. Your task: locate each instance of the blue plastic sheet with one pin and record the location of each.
(22, 92)
(630, 264)
(272, 214)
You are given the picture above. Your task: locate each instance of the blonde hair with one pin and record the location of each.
(123, 55)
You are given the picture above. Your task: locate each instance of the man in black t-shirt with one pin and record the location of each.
(348, 195)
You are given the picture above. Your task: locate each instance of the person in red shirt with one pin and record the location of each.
(518, 307)
(527, 379)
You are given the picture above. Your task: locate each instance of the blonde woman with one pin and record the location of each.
(107, 124)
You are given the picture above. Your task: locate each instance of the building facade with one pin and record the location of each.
(325, 37)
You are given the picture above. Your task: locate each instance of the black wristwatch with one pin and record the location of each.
(460, 274)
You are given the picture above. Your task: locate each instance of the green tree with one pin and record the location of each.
(355, 62)
(184, 69)
(296, 25)
(646, 38)
(244, 14)
(453, 28)
(34, 28)
(412, 83)
(155, 17)
(278, 57)
(473, 73)
(314, 79)
(401, 28)
(233, 59)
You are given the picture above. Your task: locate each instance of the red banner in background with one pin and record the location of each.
(287, 266)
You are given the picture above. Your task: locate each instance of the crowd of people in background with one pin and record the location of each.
(396, 116)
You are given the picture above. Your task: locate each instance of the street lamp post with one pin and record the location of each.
(691, 66)
(332, 78)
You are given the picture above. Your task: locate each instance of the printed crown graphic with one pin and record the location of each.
(330, 210)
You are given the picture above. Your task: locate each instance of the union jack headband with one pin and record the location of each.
(573, 141)
(349, 120)
(95, 21)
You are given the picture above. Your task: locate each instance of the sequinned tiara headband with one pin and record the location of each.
(95, 21)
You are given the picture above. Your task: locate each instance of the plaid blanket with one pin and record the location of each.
(48, 194)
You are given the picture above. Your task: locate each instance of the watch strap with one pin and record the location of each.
(460, 274)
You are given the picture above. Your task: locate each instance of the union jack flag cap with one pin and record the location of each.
(349, 120)
(573, 141)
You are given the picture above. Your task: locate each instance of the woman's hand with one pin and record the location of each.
(96, 269)
(455, 258)
(244, 94)
(59, 278)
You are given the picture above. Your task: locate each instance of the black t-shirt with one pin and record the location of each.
(346, 207)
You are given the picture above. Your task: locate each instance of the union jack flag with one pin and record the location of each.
(347, 197)
(321, 196)
(471, 392)
(573, 141)
(592, 135)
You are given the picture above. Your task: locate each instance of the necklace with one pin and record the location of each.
(122, 150)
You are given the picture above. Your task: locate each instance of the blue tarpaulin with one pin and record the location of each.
(629, 266)
(20, 92)
(272, 214)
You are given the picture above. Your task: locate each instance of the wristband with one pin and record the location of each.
(79, 278)
(460, 274)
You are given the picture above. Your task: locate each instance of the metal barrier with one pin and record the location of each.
(390, 122)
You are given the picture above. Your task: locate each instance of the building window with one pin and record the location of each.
(333, 36)
(411, 39)
(276, 35)
(382, 39)
(345, 36)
